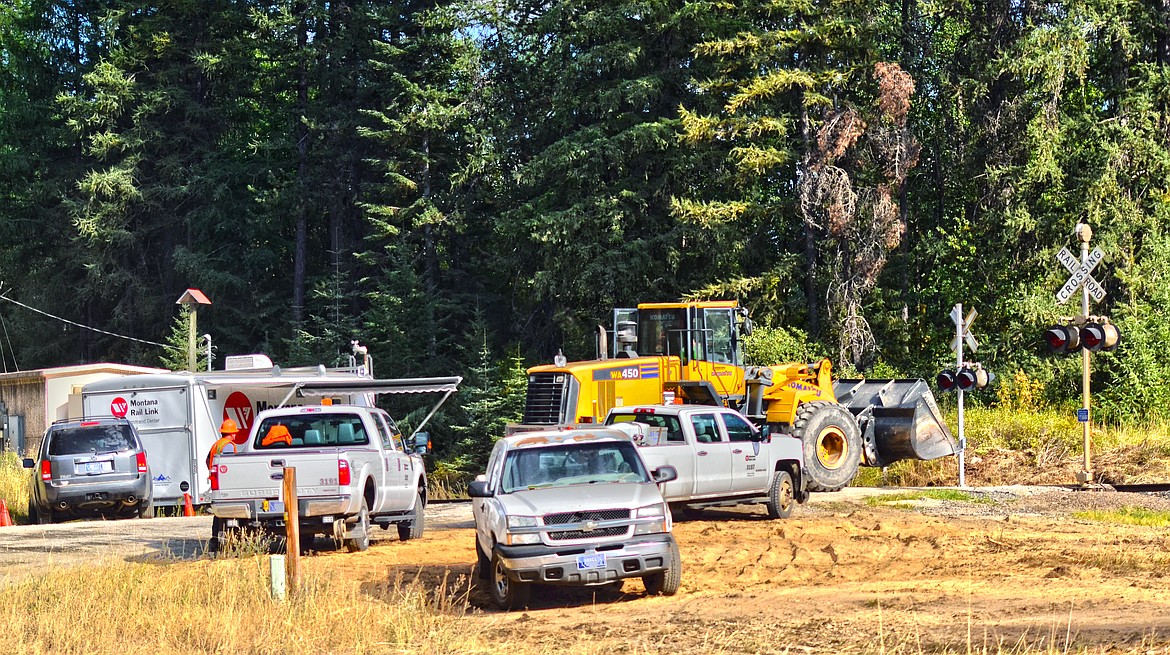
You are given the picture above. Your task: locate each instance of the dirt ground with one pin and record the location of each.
(1015, 572)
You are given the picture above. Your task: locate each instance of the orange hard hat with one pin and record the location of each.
(229, 427)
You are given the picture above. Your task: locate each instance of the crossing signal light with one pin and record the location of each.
(968, 378)
(1100, 337)
(1094, 336)
(1060, 339)
(976, 377)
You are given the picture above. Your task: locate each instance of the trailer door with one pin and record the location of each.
(162, 417)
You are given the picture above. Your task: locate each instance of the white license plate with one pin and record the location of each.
(595, 561)
(97, 467)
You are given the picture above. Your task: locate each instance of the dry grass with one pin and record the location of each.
(222, 606)
(14, 485)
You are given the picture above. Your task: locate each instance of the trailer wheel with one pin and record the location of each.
(832, 444)
(359, 539)
(780, 496)
(507, 594)
(413, 529)
(667, 581)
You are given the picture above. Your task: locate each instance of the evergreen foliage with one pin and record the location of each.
(444, 179)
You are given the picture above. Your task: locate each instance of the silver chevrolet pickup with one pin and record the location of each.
(571, 507)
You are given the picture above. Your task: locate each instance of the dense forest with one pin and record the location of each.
(468, 186)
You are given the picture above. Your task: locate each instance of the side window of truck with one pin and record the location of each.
(737, 428)
(389, 443)
(706, 429)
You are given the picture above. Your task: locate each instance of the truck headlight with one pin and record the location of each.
(522, 522)
(656, 511)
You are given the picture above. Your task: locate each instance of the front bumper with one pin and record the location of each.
(560, 565)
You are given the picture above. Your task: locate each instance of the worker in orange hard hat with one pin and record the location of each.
(228, 432)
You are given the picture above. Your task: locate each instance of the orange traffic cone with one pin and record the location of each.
(5, 517)
(187, 509)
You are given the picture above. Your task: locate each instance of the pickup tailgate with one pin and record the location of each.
(253, 475)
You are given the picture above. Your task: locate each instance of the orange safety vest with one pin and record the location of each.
(218, 447)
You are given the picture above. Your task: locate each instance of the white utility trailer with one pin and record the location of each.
(178, 414)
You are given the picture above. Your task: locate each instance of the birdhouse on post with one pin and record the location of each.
(192, 299)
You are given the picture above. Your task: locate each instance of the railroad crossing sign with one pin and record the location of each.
(1081, 275)
(964, 325)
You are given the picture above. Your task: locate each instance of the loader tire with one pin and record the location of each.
(832, 444)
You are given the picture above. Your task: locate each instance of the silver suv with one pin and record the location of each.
(89, 467)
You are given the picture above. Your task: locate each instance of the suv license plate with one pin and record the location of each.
(98, 467)
(595, 561)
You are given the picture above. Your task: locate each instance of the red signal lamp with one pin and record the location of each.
(1098, 337)
(945, 381)
(1060, 339)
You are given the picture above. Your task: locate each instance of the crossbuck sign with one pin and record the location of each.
(1081, 275)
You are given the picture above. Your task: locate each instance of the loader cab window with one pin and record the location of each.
(717, 324)
(663, 332)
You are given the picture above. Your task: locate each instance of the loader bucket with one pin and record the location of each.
(899, 419)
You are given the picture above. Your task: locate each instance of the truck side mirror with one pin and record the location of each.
(665, 474)
(478, 489)
(422, 443)
(28, 463)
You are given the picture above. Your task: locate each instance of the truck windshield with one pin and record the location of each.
(310, 430)
(572, 464)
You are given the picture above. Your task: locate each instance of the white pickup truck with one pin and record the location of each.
(352, 468)
(571, 507)
(720, 457)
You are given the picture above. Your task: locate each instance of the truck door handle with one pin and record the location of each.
(737, 451)
(277, 463)
(702, 453)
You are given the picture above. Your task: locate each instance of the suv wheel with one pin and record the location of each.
(37, 517)
(146, 510)
(507, 594)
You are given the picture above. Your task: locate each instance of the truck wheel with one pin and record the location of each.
(507, 594)
(832, 444)
(780, 496)
(359, 538)
(413, 529)
(216, 542)
(483, 565)
(666, 582)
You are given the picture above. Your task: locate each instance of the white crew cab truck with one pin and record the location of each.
(721, 459)
(352, 468)
(571, 507)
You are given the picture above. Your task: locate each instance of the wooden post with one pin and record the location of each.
(292, 523)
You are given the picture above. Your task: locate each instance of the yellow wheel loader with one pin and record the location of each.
(692, 352)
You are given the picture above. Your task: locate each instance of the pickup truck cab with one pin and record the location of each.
(352, 468)
(571, 507)
(720, 457)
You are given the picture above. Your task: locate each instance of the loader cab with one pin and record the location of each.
(704, 336)
(693, 332)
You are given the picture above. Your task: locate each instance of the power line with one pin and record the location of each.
(86, 327)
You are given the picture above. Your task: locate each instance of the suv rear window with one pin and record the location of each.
(111, 438)
(311, 431)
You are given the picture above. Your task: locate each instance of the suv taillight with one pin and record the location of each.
(141, 456)
(46, 470)
(343, 472)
